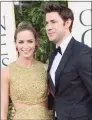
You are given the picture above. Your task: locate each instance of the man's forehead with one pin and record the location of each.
(52, 13)
(52, 16)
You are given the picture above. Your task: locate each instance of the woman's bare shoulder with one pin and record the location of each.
(5, 72)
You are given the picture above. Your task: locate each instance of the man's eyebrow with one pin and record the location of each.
(50, 20)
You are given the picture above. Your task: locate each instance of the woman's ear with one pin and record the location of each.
(37, 45)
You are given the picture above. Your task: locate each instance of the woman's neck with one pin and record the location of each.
(26, 62)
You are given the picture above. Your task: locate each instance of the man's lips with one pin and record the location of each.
(51, 34)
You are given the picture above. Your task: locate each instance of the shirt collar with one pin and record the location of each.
(65, 42)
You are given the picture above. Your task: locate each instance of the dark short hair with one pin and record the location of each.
(62, 10)
(24, 25)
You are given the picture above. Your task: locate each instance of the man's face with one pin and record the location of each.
(55, 27)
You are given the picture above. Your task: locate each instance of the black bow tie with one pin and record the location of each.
(58, 50)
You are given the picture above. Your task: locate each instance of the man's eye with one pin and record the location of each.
(53, 21)
(46, 23)
(21, 42)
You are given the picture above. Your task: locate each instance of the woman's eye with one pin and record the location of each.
(30, 41)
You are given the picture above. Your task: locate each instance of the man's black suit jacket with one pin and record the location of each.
(73, 89)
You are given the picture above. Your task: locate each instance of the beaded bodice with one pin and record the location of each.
(28, 85)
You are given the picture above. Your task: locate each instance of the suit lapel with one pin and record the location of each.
(67, 54)
(51, 61)
(50, 82)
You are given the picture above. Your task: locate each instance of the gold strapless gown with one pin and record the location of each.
(28, 85)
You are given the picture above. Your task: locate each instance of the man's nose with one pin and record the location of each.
(49, 26)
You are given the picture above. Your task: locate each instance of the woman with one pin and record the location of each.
(25, 79)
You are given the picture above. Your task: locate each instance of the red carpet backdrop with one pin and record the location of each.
(82, 24)
(8, 52)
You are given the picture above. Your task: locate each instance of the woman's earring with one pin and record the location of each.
(17, 49)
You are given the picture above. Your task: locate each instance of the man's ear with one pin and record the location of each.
(68, 23)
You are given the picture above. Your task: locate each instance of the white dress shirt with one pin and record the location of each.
(58, 58)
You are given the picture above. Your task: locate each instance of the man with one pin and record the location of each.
(69, 71)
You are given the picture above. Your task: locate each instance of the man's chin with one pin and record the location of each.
(52, 40)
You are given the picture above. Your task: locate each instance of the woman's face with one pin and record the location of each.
(25, 43)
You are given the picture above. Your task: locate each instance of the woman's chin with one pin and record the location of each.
(27, 56)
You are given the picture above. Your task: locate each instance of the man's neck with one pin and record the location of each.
(62, 40)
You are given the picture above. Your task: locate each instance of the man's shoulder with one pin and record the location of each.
(80, 49)
(79, 45)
